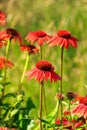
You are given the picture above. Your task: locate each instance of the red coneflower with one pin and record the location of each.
(2, 18)
(63, 38)
(38, 36)
(30, 48)
(9, 34)
(3, 63)
(43, 71)
(81, 108)
(14, 35)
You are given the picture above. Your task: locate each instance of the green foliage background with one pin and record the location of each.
(50, 16)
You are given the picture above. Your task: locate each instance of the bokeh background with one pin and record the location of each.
(50, 16)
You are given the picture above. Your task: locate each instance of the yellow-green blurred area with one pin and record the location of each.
(50, 16)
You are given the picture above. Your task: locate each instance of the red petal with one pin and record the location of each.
(47, 75)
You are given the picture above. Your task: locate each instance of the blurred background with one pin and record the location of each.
(50, 16)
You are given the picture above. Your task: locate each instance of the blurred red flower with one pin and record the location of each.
(30, 48)
(2, 18)
(38, 36)
(5, 128)
(3, 63)
(63, 38)
(14, 35)
(59, 96)
(78, 124)
(81, 108)
(43, 71)
(9, 34)
(65, 123)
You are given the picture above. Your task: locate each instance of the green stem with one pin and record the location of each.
(40, 52)
(70, 114)
(61, 81)
(70, 111)
(44, 101)
(41, 100)
(5, 73)
(57, 110)
(86, 123)
(41, 57)
(23, 74)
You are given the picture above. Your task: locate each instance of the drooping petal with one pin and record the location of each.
(54, 76)
(82, 111)
(40, 41)
(40, 76)
(47, 75)
(72, 41)
(66, 44)
(31, 74)
(77, 108)
(85, 113)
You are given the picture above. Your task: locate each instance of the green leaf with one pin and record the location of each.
(7, 83)
(14, 112)
(44, 121)
(10, 95)
(30, 105)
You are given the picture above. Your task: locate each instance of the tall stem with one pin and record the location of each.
(70, 110)
(44, 96)
(5, 72)
(44, 101)
(57, 110)
(40, 52)
(23, 74)
(61, 81)
(86, 123)
(41, 101)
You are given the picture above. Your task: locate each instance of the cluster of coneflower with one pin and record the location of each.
(44, 71)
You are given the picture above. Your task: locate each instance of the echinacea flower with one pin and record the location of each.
(71, 95)
(59, 96)
(2, 18)
(81, 108)
(14, 35)
(9, 34)
(31, 49)
(43, 71)
(3, 63)
(38, 36)
(63, 38)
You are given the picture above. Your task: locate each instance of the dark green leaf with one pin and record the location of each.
(30, 105)
(10, 95)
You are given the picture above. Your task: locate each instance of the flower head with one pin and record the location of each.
(31, 49)
(43, 71)
(59, 96)
(3, 63)
(81, 108)
(9, 34)
(14, 35)
(63, 38)
(38, 36)
(71, 95)
(2, 18)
